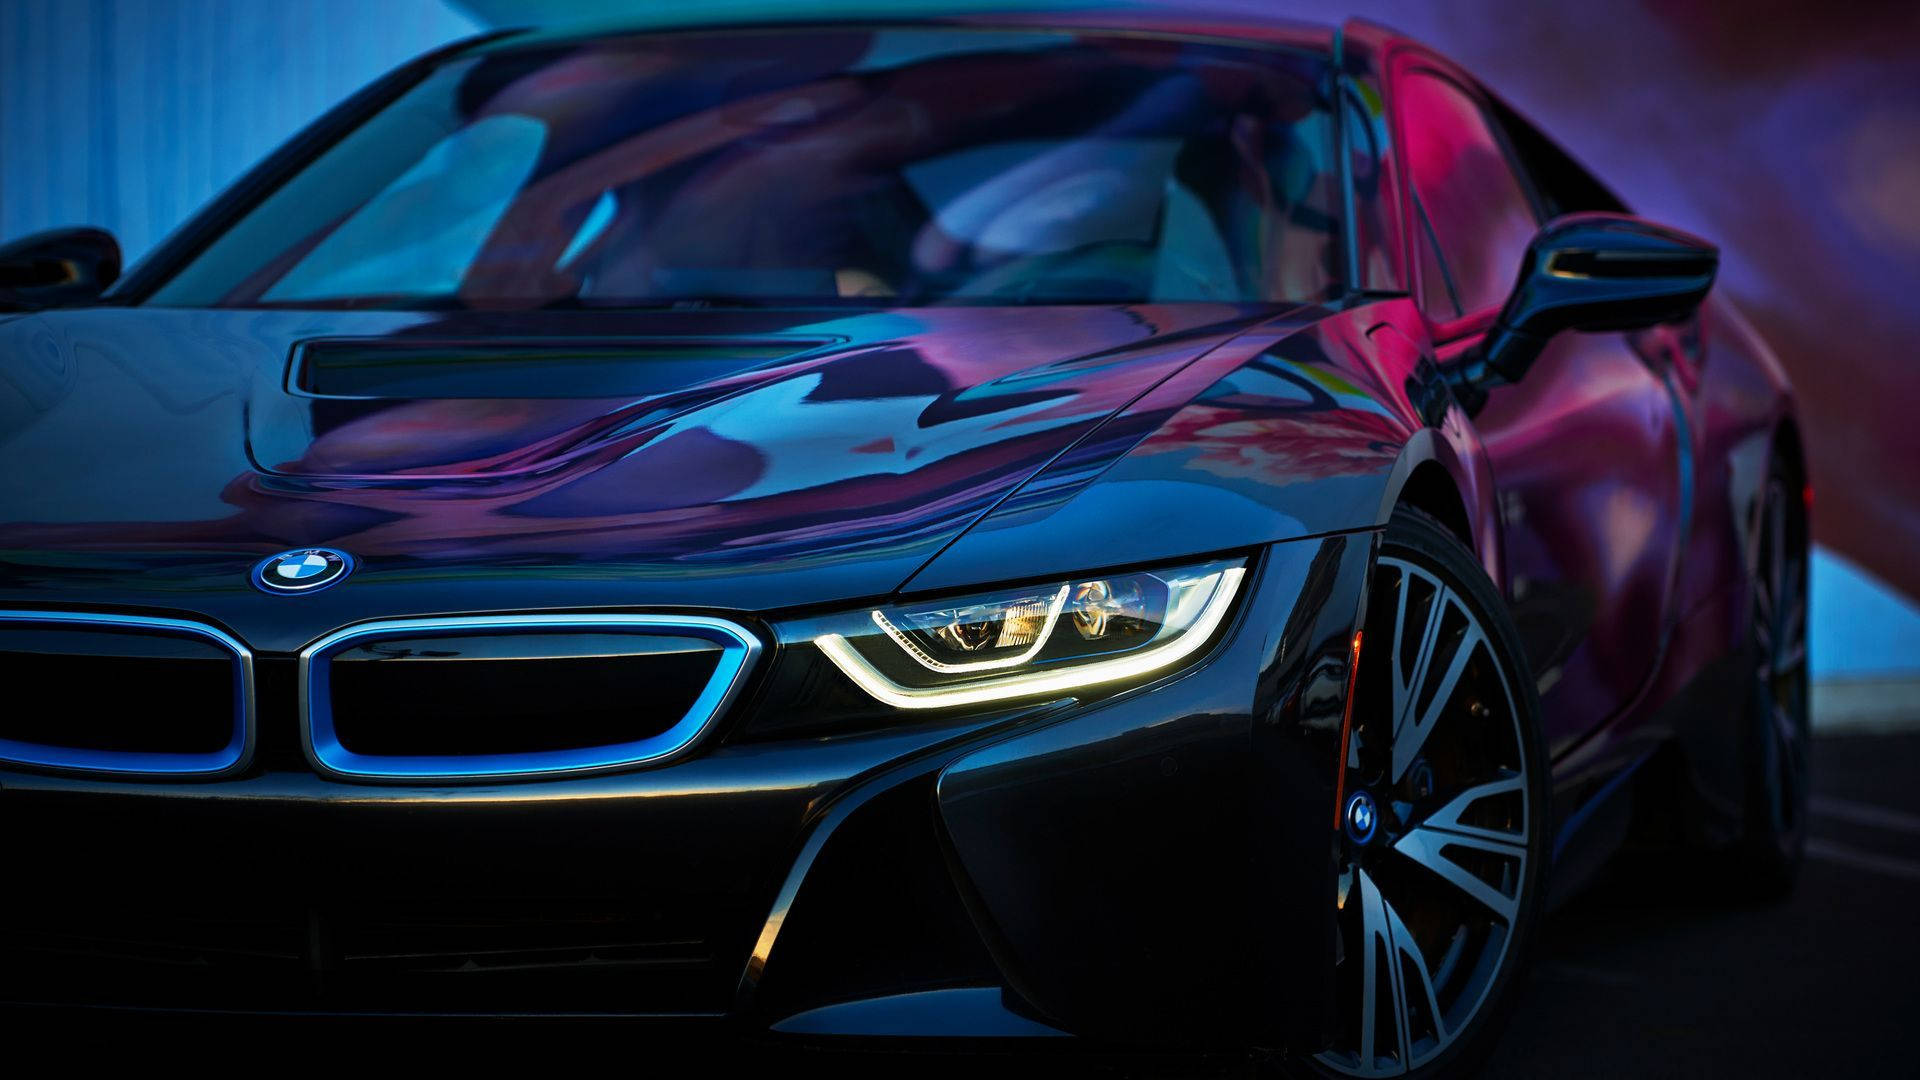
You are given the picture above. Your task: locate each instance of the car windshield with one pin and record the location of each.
(893, 166)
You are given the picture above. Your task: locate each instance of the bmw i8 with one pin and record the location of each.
(1144, 527)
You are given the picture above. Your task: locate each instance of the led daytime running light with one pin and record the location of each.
(1132, 665)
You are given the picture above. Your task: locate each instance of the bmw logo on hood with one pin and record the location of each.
(303, 570)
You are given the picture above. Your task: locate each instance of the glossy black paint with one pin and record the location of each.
(57, 268)
(1247, 760)
(1147, 863)
(1591, 272)
(737, 483)
(722, 844)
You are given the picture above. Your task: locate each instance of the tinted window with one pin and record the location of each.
(895, 166)
(1560, 182)
(1375, 228)
(1476, 209)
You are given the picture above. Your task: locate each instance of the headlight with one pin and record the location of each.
(1027, 642)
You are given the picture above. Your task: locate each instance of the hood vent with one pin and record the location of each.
(389, 369)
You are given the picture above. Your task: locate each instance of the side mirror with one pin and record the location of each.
(1591, 272)
(57, 268)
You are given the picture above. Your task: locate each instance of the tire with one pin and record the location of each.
(1776, 740)
(1442, 896)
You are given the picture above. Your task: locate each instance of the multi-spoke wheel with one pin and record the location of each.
(1769, 857)
(1443, 816)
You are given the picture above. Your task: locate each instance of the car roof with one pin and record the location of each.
(1224, 19)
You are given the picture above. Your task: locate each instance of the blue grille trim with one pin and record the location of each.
(739, 648)
(145, 764)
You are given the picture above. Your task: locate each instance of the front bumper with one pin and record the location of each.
(1154, 866)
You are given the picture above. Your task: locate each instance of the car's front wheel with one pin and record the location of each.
(1443, 817)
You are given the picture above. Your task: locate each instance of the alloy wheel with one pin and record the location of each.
(1780, 640)
(1437, 828)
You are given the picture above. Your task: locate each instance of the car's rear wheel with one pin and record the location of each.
(1768, 858)
(1443, 817)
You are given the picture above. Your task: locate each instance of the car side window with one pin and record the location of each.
(1468, 201)
(1376, 227)
(1562, 184)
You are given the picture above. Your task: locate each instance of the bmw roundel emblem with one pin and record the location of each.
(1362, 817)
(302, 570)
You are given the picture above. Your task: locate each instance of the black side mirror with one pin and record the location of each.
(1590, 272)
(57, 268)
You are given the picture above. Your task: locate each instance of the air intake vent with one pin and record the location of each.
(123, 694)
(517, 696)
(537, 957)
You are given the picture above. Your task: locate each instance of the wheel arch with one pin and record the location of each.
(1790, 448)
(1444, 472)
(1430, 489)
(1781, 443)
(1788, 442)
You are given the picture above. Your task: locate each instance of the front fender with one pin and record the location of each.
(1303, 429)
(1160, 868)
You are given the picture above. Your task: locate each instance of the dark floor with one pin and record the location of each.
(1639, 978)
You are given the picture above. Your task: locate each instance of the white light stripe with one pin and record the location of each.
(1857, 813)
(1871, 861)
(1166, 654)
(928, 662)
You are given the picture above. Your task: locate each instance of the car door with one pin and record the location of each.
(1585, 451)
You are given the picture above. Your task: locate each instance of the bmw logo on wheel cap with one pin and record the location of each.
(1362, 817)
(302, 570)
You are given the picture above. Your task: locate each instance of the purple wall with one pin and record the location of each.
(1790, 133)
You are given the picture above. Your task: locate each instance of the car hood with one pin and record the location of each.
(737, 459)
